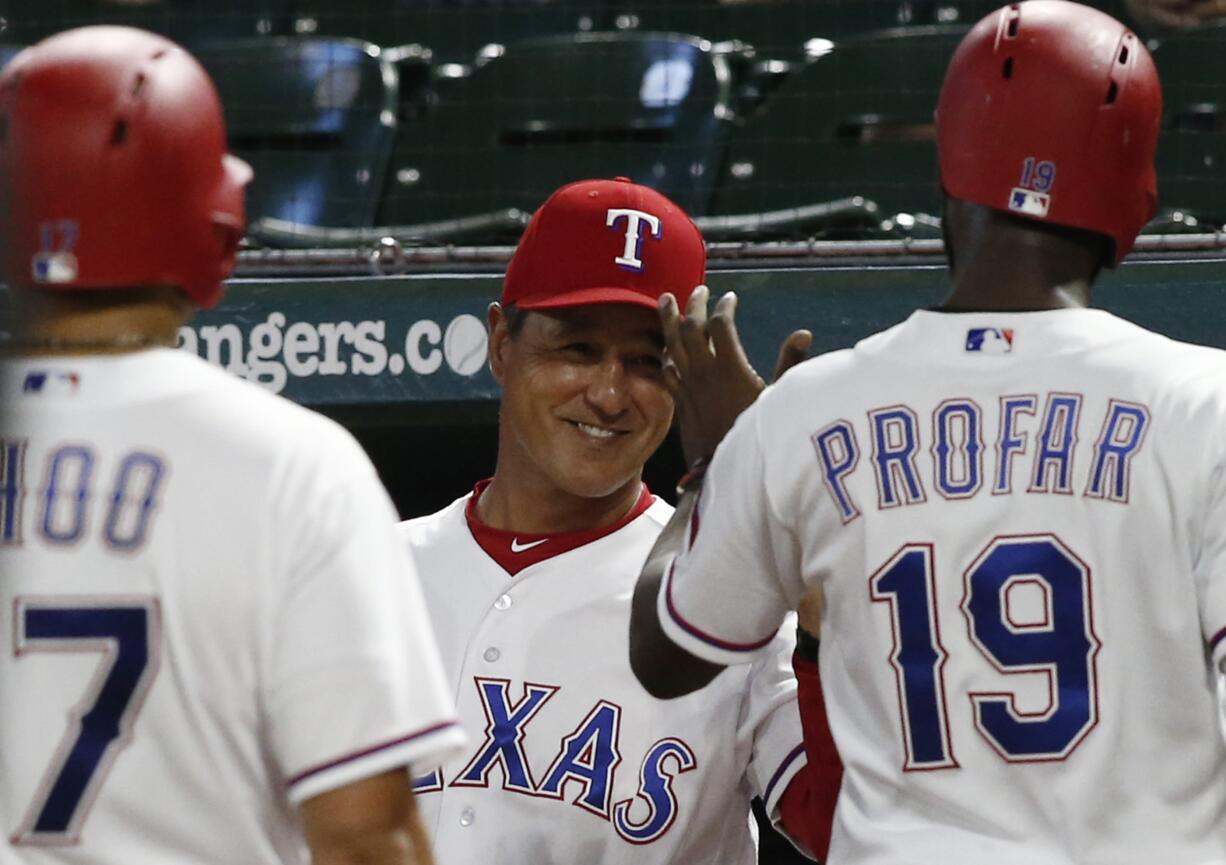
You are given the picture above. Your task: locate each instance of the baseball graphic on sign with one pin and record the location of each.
(465, 344)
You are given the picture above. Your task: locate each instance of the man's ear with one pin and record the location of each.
(500, 340)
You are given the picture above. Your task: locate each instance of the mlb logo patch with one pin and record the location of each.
(1029, 202)
(990, 340)
(52, 268)
(51, 382)
(55, 263)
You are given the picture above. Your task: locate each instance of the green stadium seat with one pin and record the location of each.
(188, 22)
(414, 69)
(315, 118)
(857, 121)
(1192, 145)
(770, 27)
(967, 12)
(454, 29)
(535, 115)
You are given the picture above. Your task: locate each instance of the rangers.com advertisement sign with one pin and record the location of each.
(353, 340)
(422, 339)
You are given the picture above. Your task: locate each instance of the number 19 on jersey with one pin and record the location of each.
(1061, 644)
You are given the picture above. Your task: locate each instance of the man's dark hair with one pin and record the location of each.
(514, 317)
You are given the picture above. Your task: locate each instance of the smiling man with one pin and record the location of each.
(529, 580)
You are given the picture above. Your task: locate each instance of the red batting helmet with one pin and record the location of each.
(1050, 111)
(113, 161)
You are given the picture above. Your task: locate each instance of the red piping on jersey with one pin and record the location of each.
(698, 633)
(500, 544)
(358, 755)
(694, 519)
(1217, 638)
(791, 758)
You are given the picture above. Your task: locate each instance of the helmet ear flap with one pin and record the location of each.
(229, 216)
(226, 226)
(228, 237)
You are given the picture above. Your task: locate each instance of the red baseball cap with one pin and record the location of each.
(605, 241)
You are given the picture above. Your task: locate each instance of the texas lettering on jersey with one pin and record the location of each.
(569, 759)
(587, 759)
(1036, 436)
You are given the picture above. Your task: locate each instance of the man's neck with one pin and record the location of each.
(523, 502)
(983, 295)
(105, 322)
(1002, 277)
(1004, 263)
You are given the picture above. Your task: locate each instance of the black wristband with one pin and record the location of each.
(806, 645)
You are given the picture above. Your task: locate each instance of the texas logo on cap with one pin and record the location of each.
(635, 220)
(605, 241)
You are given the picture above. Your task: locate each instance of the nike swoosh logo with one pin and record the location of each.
(517, 547)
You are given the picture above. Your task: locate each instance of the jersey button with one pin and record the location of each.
(467, 817)
(491, 654)
(504, 602)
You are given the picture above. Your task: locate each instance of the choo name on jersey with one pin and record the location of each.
(587, 760)
(67, 496)
(1037, 441)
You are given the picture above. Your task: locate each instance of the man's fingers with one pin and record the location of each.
(724, 338)
(696, 308)
(670, 323)
(694, 330)
(672, 379)
(793, 350)
(726, 305)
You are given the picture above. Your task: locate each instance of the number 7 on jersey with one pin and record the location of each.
(126, 631)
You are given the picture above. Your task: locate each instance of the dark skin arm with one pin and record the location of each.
(369, 822)
(712, 382)
(662, 667)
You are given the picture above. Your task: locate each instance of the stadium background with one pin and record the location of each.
(400, 146)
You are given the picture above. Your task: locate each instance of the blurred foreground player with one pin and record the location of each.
(529, 579)
(1014, 506)
(211, 641)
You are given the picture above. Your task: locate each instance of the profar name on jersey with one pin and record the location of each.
(1032, 447)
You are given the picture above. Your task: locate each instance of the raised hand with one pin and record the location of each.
(707, 371)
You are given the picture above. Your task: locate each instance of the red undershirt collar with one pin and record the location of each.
(514, 551)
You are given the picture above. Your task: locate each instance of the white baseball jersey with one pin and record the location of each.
(1019, 524)
(569, 759)
(206, 616)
